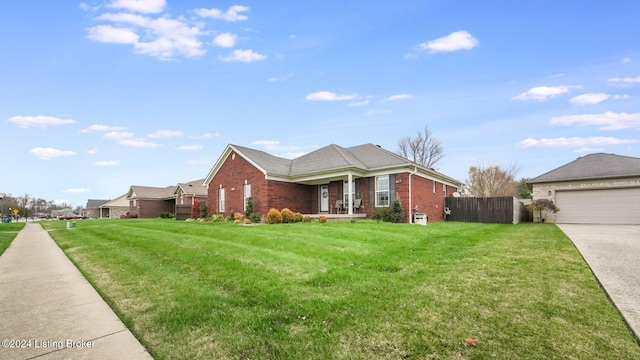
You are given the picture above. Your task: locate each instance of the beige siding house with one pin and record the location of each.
(593, 189)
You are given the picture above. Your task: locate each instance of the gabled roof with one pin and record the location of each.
(120, 201)
(331, 158)
(94, 203)
(149, 192)
(593, 166)
(194, 188)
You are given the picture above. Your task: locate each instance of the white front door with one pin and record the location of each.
(324, 198)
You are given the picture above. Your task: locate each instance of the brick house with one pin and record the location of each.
(150, 202)
(333, 180)
(186, 195)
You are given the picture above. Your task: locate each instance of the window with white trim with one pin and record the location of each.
(247, 194)
(221, 200)
(382, 190)
(345, 187)
(434, 186)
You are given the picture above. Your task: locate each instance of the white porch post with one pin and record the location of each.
(350, 196)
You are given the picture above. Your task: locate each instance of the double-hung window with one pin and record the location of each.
(382, 190)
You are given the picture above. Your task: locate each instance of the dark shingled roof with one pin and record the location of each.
(366, 157)
(593, 166)
(95, 203)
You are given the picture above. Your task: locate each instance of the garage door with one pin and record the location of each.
(612, 206)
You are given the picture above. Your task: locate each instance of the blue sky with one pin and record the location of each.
(100, 95)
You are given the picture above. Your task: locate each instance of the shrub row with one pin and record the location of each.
(285, 216)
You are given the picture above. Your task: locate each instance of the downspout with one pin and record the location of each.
(415, 169)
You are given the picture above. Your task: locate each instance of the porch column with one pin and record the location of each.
(350, 196)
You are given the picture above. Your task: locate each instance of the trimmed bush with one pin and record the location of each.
(166, 215)
(322, 219)
(274, 216)
(297, 217)
(393, 214)
(287, 215)
(306, 218)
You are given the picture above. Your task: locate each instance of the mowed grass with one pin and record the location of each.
(342, 290)
(8, 232)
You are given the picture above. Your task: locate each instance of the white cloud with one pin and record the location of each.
(102, 128)
(92, 151)
(587, 150)
(246, 56)
(110, 34)
(233, 14)
(49, 153)
(77, 190)
(266, 143)
(280, 78)
(118, 135)
(377, 112)
(39, 121)
(574, 142)
(459, 40)
(627, 60)
(594, 98)
(542, 93)
(142, 6)
(205, 136)
(607, 121)
(398, 97)
(330, 96)
(359, 103)
(626, 81)
(106, 163)
(162, 37)
(139, 143)
(226, 40)
(162, 134)
(190, 147)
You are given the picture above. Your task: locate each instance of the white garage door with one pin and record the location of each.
(612, 206)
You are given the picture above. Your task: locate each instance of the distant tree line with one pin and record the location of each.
(27, 205)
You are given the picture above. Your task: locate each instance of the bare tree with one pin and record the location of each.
(424, 149)
(492, 180)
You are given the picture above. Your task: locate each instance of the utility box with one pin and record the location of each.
(420, 218)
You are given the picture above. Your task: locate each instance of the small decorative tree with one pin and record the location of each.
(203, 209)
(543, 204)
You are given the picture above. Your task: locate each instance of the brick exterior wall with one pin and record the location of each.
(151, 208)
(423, 196)
(548, 191)
(235, 171)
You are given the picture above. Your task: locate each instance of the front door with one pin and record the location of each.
(324, 198)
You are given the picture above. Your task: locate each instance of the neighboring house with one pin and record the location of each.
(352, 181)
(186, 195)
(150, 202)
(92, 210)
(115, 208)
(597, 188)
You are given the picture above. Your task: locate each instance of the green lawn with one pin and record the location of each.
(8, 232)
(343, 290)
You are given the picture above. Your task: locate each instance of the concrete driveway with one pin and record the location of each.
(613, 253)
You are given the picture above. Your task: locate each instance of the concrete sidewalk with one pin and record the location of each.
(613, 253)
(49, 311)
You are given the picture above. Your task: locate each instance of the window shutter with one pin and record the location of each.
(372, 192)
(392, 188)
(340, 192)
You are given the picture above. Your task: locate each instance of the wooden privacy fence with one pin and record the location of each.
(494, 210)
(183, 212)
